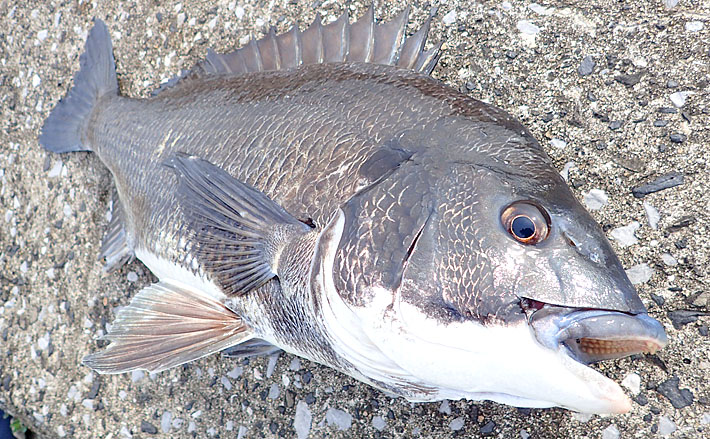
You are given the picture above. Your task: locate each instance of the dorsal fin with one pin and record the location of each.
(339, 41)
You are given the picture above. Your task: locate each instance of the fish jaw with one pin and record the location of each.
(503, 363)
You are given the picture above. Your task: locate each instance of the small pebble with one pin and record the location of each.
(632, 382)
(660, 123)
(524, 434)
(652, 215)
(678, 98)
(615, 124)
(457, 423)
(302, 420)
(669, 260)
(678, 397)
(444, 407)
(274, 391)
(147, 427)
(666, 181)
(629, 80)
(611, 432)
(449, 18)
(672, 83)
(487, 429)
(379, 423)
(595, 199)
(625, 235)
(527, 27)
(132, 276)
(586, 67)
(665, 426)
(678, 137)
(540, 9)
(340, 419)
(639, 274)
(694, 26)
(165, 421)
(558, 143)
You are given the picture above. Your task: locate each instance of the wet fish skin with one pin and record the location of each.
(409, 281)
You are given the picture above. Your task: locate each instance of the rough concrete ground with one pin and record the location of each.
(612, 130)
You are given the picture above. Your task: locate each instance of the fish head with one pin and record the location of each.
(485, 280)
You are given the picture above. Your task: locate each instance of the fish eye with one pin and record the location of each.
(526, 222)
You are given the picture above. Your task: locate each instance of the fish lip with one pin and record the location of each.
(593, 335)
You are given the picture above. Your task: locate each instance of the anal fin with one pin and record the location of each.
(255, 347)
(167, 325)
(114, 248)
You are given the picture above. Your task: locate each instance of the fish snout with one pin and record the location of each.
(590, 336)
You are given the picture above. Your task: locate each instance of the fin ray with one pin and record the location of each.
(64, 128)
(240, 231)
(339, 41)
(165, 326)
(114, 248)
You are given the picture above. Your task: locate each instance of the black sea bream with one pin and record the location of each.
(319, 192)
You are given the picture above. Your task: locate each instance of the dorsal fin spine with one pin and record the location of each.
(339, 41)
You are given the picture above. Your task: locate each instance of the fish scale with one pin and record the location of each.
(349, 208)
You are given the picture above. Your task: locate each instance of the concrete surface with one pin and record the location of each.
(522, 57)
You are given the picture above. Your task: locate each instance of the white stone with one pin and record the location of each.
(678, 98)
(36, 81)
(639, 274)
(670, 4)
(229, 426)
(226, 383)
(457, 424)
(55, 170)
(611, 432)
(581, 417)
(625, 235)
(444, 407)
(132, 276)
(243, 432)
(666, 426)
(274, 391)
(340, 419)
(122, 394)
(669, 260)
(449, 18)
(524, 434)
(236, 372)
(271, 366)
(302, 420)
(558, 143)
(694, 26)
(595, 199)
(652, 215)
(88, 403)
(379, 423)
(541, 10)
(632, 382)
(565, 170)
(527, 27)
(137, 375)
(295, 364)
(239, 12)
(165, 421)
(705, 420)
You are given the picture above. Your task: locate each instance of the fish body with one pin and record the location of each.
(319, 192)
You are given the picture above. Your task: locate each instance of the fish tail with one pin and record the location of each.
(64, 128)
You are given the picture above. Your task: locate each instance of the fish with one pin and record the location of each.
(319, 192)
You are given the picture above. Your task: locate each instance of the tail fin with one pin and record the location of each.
(64, 127)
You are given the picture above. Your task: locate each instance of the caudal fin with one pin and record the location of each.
(63, 129)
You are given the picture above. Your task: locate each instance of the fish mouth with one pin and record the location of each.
(593, 335)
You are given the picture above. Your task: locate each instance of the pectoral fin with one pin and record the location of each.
(240, 232)
(165, 326)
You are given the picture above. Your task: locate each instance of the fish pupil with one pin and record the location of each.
(523, 227)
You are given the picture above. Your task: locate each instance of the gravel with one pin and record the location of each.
(680, 398)
(666, 181)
